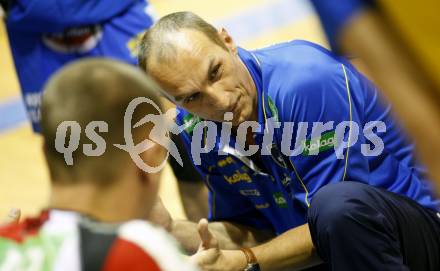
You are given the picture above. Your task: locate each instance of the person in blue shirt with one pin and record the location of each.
(401, 61)
(353, 194)
(46, 35)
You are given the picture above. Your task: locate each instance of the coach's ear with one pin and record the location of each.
(227, 40)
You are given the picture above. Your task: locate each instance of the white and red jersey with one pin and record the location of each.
(69, 241)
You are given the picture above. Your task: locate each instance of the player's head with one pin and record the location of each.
(198, 67)
(100, 90)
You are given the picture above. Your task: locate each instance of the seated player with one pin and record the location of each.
(100, 198)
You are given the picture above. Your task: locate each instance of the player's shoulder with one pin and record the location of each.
(139, 243)
(51, 236)
(299, 52)
(297, 66)
(146, 235)
(18, 232)
(299, 74)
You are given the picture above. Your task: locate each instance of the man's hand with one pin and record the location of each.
(12, 217)
(208, 240)
(210, 257)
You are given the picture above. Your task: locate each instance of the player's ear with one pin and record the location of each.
(143, 176)
(155, 155)
(227, 40)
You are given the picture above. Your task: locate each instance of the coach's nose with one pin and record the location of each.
(217, 98)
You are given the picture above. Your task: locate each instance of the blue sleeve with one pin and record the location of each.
(57, 15)
(226, 204)
(335, 15)
(326, 93)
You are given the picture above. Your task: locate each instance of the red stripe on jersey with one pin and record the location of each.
(124, 255)
(29, 227)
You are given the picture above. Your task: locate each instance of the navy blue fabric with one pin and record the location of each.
(360, 227)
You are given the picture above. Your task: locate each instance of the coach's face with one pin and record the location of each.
(206, 79)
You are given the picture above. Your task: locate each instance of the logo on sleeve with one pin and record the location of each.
(327, 141)
(238, 177)
(190, 121)
(273, 109)
(262, 206)
(280, 200)
(277, 156)
(250, 192)
(226, 161)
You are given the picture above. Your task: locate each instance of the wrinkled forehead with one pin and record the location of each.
(180, 45)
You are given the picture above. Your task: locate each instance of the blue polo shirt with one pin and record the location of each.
(302, 83)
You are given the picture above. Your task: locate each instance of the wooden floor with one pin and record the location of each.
(253, 24)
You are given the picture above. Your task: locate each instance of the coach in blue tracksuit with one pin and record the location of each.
(45, 35)
(353, 193)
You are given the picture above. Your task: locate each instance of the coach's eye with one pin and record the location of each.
(214, 72)
(192, 97)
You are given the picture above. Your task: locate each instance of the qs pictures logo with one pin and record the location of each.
(159, 134)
